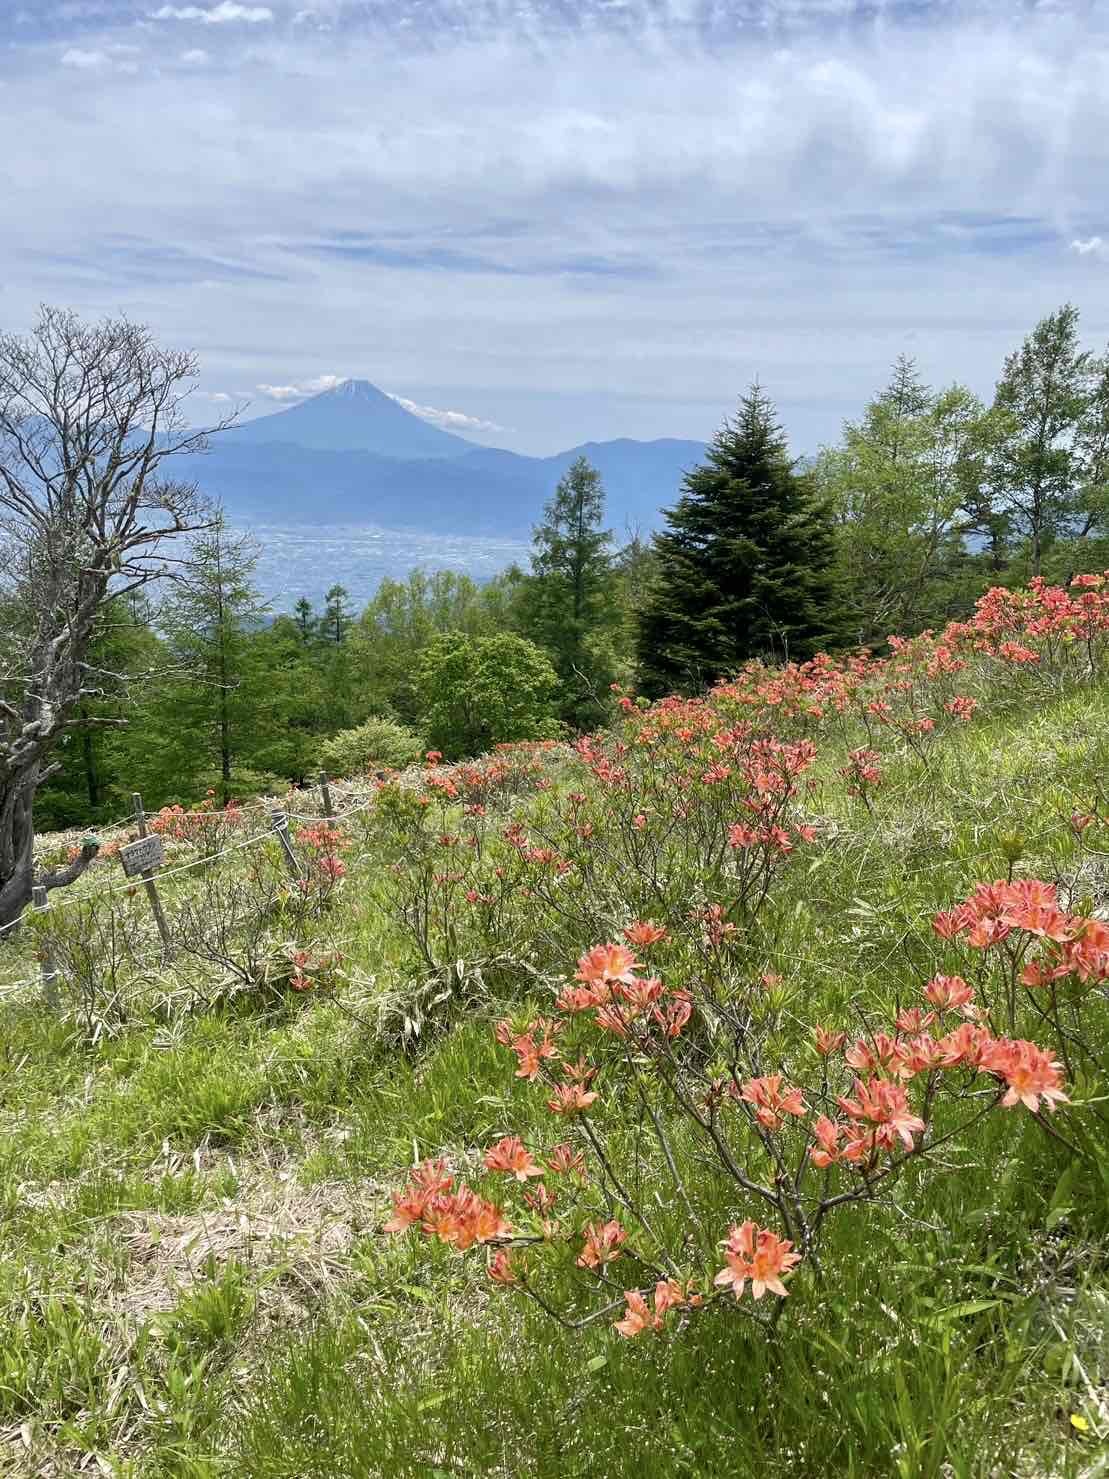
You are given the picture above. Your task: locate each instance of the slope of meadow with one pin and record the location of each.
(199, 1158)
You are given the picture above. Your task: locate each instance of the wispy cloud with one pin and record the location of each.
(447, 420)
(1092, 246)
(288, 393)
(225, 13)
(84, 61)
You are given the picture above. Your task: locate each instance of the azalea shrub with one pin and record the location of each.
(206, 829)
(692, 806)
(702, 1137)
(672, 814)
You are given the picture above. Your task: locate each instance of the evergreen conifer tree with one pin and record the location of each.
(745, 568)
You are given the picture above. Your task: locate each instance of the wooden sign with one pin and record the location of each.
(142, 856)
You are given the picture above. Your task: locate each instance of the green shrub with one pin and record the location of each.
(376, 743)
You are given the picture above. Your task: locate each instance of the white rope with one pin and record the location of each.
(125, 883)
(9, 987)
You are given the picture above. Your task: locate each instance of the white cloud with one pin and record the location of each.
(226, 11)
(447, 420)
(1092, 246)
(85, 61)
(194, 57)
(286, 393)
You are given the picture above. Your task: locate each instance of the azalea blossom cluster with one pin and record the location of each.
(1044, 631)
(454, 1214)
(1024, 914)
(321, 845)
(311, 970)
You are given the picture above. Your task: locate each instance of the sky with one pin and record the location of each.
(544, 222)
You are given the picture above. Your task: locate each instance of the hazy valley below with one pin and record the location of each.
(304, 560)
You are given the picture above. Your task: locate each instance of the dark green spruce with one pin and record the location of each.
(746, 566)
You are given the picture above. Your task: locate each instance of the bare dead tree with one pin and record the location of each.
(88, 514)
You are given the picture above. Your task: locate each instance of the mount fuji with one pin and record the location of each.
(354, 416)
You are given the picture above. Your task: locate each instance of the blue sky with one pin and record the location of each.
(548, 221)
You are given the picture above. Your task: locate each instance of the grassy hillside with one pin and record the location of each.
(199, 1157)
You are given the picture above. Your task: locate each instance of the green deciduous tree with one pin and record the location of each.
(88, 786)
(1050, 470)
(905, 485)
(403, 618)
(745, 567)
(476, 692)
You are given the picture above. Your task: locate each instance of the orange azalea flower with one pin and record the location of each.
(740, 836)
(603, 1242)
(757, 1254)
(769, 1101)
(676, 1014)
(607, 964)
(511, 1156)
(570, 1099)
(408, 1210)
(529, 1053)
(1030, 1073)
(640, 993)
(540, 1199)
(643, 933)
(613, 1019)
(871, 1057)
(638, 1317)
(949, 993)
(914, 1020)
(963, 1048)
(501, 1269)
(827, 1041)
(918, 1055)
(884, 1104)
(564, 1160)
(947, 924)
(668, 1295)
(427, 1180)
(1038, 919)
(827, 1134)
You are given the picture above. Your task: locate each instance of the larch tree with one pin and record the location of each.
(90, 511)
(567, 605)
(217, 709)
(746, 565)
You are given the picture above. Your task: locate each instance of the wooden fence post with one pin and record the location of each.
(325, 789)
(281, 827)
(147, 876)
(40, 899)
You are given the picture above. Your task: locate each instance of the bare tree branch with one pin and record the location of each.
(92, 427)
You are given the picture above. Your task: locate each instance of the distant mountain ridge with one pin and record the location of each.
(353, 455)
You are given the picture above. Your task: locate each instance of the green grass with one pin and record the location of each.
(963, 1332)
